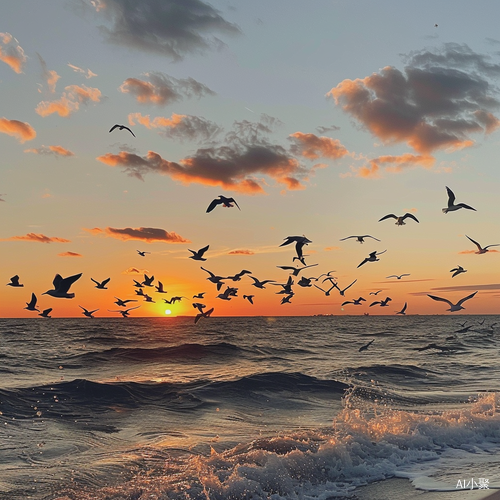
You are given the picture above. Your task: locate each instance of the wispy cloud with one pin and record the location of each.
(464, 288)
(21, 130)
(50, 150)
(39, 238)
(135, 270)
(11, 52)
(466, 252)
(148, 234)
(70, 101)
(241, 252)
(50, 76)
(88, 74)
(167, 27)
(69, 254)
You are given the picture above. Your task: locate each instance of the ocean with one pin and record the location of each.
(247, 407)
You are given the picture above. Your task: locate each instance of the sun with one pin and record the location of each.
(168, 311)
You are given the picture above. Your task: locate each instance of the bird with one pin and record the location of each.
(142, 254)
(451, 203)
(372, 257)
(325, 274)
(147, 298)
(228, 293)
(306, 282)
(88, 313)
(214, 279)
(480, 249)
(383, 303)
(31, 305)
(366, 346)
(198, 255)
(453, 307)
(399, 219)
(237, 276)
(300, 241)
(249, 298)
(45, 313)
(287, 287)
(286, 300)
(457, 270)
(205, 314)
(375, 293)
(148, 281)
(175, 299)
(14, 281)
(342, 292)
(199, 295)
(356, 302)
(326, 292)
(159, 287)
(226, 202)
(361, 239)
(123, 303)
(101, 285)
(403, 311)
(260, 284)
(121, 127)
(140, 292)
(138, 284)
(198, 305)
(125, 312)
(396, 276)
(295, 270)
(62, 286)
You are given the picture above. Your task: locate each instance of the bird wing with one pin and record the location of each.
(113, 127)
(475, 243)
(209, 272)
(105, 282)
(439, 299)
(411, 216)
(368, 236)
(463, 205)
(375, 303)
(364, 262)
(347, 238)
(64, 284)
(234, 201)
(350, 285)
(378, 253)
(130, 309)
(201, 251)
(346, 302)
(391, 276)
(33, 300)
(47, 311)
(488, 246)
(451, 197)
(213, 204)
(388, 216)
(404, 307)
(15, 280)
(287, 268)
(461, 301)
(126, 128)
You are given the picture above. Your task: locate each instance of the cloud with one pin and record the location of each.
(169, 27)
(134, 270)
(311, 146)
(178, 126)
(163, 89)
(466, 252)
(395, 164)
(70, 101)
(464, 288)
(51, 150)
(69, 254)
(11, 52)
(88, 74)
(40, 238)
(331, 128)
(330, 249)
(148, 234)
(437, 102)
(21, 130)
(50, 76)
(241, 252)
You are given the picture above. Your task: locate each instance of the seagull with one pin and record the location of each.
(228, 293)
(361, 239)
(138, 284)
(140, 292)
(375, 293)
(342, 292)
(249, 298)
(399, 219)
(326, 292)
(403, 311)
(123, 303)
(121, 127)
(286, 300)
(372, 257)
(198, 255)
(198, 305)
(260, 284)
(203, 315)
(325, 274)
(14, 281)
(482, 250)
(356, 302)
(101, 285)
(237, 277)
(142, 254)
(199, 295)
(383, 303)
(62, 286)
(175, 299)
(214, 279)
(396, 276)
(31, 305)
(159, 288)
(366, 346)
(124, 312)
(457, 270)
(226, 202)
(287, 287)
(88, 313)
(295, 270)
(306, 282)
(45, 313)
(147, 298)
(300, 241)
(451, 203)
(453, 307)
(148, 281)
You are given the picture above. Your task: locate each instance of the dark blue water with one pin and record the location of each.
(245, 407)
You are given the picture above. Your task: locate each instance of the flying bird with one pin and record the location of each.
(198, 305)
(138, 284)
(121, 127)
(295, 270)
(453, 307)
(451, 203)
(326, 292)
(205, 314)
(198, 255)
(199, 295)
(300, 241)
(148, 281)
(399, 219)
(260, 284)
(366, 346)
(159, 287)
(226, 202)
(375, 293)
(214, 279)
(403, 311)
(287, 287)
(480, 249)
(88, 313)
(383, 303)
(140, 292)
(45, 313)
(396, 276)
(125, 312)
(237, 276)
(286, 300)
(372, 257)
(62, 286)
(361, 239)
(306, 282)
(342, 292)
(14, 281)
(101, 285)
(123, 303)
(356, 302)
(142, 254)
(457, 270)
(31, 305)
(249, 298)
(147, 298)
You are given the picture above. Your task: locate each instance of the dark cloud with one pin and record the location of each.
(170, 27)
(69, 254)
(464, 288)
(40, 238)
(311, 146)
(437, 102)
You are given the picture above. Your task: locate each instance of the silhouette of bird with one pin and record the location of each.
(198, 255)
(403, 311)
(140, 292)
(205, 314)
(88, 313)
(62, 286)
(299, 241)
(457, 270)
(123, 303)
(399, 219)
(295, 270)
(372, 258)
(451, 203)
(138, 284)
(356, 302)
(142, 254)
(260, 284)
(237, 277)
(480, 249)
(148, 281)
(375, 293)
(226, 202)
(249, 298)
(14, 281)
(286, 300)
(101, 285)
(396, 276)
(159, 287)
(31, 305)
(453, 307)
(121, 127)
(125, 312)
(342, 292)
(214, 279)
(306, 282)
(45, 313)
(175, 299)
(199, 306)
(199, 295)
(147, 298)
(326, 292)
(361, 239)
(287, 287)
(366, 346)
(383, 303)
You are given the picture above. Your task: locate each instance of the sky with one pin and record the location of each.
(317, 121)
